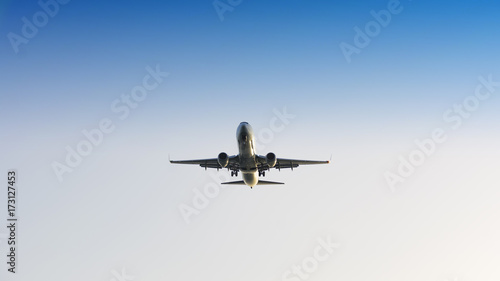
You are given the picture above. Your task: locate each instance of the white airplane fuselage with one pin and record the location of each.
(246, 148)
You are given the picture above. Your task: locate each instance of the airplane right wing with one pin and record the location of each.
(284, 163)
(293, 163)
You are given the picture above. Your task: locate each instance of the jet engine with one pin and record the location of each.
(223, 159)
(271, 159)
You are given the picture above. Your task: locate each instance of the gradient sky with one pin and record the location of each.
(119, 208)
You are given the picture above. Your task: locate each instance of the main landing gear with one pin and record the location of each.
(234, 173)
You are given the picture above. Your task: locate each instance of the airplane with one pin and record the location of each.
(251, 165)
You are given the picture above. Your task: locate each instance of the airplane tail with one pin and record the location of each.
(260, 182)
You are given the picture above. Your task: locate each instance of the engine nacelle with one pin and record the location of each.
(223, 159)
(271, 159)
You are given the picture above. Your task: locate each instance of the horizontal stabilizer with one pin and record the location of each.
(258, 183)
(268, 182)
(234, 182)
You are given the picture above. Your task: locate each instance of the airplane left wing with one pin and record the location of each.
(210, 163)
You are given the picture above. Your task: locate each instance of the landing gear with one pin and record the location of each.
(234, 173)
(262, 173)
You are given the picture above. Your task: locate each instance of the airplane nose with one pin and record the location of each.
(244, 132)
(243, 128)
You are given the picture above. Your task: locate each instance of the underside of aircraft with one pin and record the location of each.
(251, 165)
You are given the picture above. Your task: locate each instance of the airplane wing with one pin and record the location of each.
(283, 163)
(210, 163)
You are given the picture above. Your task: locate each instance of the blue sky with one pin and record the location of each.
(274, 49)
(119, 207)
